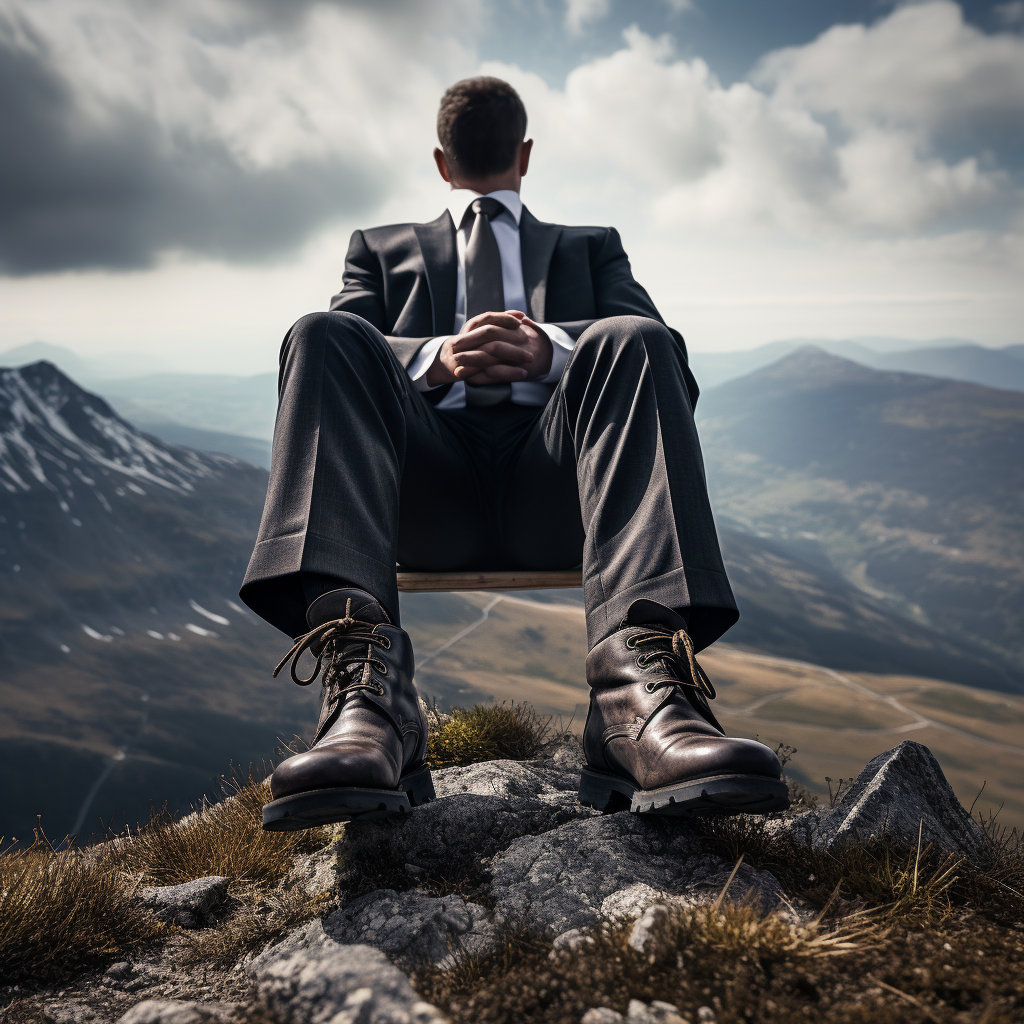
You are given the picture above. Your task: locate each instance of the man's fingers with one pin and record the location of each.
(494, 352)
(480, 336)
(497, 374)
(497, 319)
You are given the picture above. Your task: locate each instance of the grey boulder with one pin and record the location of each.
(309, 978)
(897, 793)
(190, 904)
(413, 929)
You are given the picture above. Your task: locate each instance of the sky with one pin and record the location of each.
(178, 181)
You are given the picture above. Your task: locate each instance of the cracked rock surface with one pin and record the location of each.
(560, 881)
(413, 929)
(311, 979)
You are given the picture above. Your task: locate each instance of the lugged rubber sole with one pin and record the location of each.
(717, 794)
(330, 806)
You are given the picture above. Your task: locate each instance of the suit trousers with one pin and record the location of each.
(366, 473)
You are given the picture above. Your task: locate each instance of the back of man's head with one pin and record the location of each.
(480, 124)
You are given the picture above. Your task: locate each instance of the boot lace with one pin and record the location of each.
(342, 642)
(675, 652)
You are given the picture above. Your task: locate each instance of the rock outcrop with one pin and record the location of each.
(507, 846)
(899, 797)
(897, 794)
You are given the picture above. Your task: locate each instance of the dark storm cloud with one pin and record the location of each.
(114, 191)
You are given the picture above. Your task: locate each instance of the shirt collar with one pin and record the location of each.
(460, 198)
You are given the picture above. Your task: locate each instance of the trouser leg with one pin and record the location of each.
(619, 432)
(360, 463)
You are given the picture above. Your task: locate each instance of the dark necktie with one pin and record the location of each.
(485, 292)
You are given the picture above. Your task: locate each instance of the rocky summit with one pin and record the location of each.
(505, 850)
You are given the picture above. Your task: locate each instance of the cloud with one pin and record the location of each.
(922, 70)
(580, 13)
(814, 147)
(224, 129)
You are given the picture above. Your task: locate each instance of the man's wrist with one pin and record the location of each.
(561, 348)
(424, 361)
(437, 373)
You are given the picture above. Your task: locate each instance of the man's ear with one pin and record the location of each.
(442, 164)
(524, 156)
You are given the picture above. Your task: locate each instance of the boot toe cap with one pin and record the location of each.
(345, 764)
(707, 756)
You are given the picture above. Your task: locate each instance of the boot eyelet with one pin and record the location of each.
(385, 642)
(651, 687)
(631, 641)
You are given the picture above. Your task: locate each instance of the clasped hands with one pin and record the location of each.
(493, 348)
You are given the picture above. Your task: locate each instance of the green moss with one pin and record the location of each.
(487, 732)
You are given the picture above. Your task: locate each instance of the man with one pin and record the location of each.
(492, 392)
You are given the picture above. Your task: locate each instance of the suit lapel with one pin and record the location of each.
(437, 244)
(537, 241)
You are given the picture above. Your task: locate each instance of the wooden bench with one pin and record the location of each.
(542, 579)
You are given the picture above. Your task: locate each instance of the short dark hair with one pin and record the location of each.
(480, 124)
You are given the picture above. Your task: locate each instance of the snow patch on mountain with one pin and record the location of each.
(51, 431)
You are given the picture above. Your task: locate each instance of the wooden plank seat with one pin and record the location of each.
(527, 579)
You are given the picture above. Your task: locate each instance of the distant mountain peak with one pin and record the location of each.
(812, 366)
(51, 426)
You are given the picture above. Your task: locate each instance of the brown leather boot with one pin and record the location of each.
(651, 741)
(366, 760)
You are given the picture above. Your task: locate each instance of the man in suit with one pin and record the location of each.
(489, 391)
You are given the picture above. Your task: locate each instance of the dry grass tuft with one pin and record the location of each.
(525, 982)
(255, 919)
(487, 732)
(226, 839)
(61, 911)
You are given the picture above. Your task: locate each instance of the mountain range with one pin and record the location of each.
(235, 414)
(126, 657)
(909, 487)
(952, 358)
(132, 673)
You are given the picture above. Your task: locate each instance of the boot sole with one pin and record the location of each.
(714, 795)
(330, 806)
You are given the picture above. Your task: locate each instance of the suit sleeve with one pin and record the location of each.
(618, 293)
(362, 293)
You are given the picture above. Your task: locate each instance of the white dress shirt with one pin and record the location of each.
(506, 233)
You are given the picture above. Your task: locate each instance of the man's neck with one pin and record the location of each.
(485, 188)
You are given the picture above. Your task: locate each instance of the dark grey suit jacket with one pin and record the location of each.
(402, 278)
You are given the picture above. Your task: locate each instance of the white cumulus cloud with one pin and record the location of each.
(809, 148)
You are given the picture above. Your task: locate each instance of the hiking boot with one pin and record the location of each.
(651, 740)
(367, 757)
